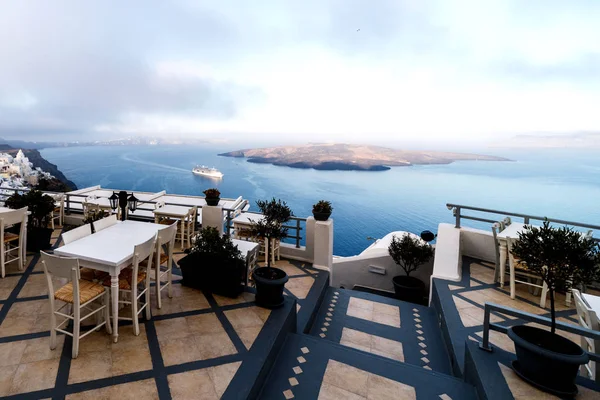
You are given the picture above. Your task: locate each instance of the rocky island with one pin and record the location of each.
(351, 157)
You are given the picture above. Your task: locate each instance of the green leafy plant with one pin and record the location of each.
(213, 192)
(95, 215)
(561, 257)
(40, 206)
(209, 240)
(409, 252)
(271, 226)
(322, 206)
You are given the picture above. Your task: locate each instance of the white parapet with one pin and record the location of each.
(323, 245)
(447, 262)
(213, 216)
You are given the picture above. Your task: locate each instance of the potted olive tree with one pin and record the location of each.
(561, 257)
(270, 281)
(214, 264)
(322, 210)
(40, 207)
(212, 196)
(409, 253)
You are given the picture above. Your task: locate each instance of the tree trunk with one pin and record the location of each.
(552, 311)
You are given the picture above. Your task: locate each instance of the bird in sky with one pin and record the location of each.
(358, 30)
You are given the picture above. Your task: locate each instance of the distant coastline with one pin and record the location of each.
(347, 157)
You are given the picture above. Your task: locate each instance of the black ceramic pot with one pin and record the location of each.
(269, 286)
(38, 239)
(209, 272)
(409, 289)
(212, 201)
(547, 360)
(321, 216)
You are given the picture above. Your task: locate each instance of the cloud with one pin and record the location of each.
(460, 70)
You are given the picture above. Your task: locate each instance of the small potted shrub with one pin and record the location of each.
(409, 253)
(270, 281)
(214, 264)
(212, 196)
(322, 210)
(561, 257)
(40, 206)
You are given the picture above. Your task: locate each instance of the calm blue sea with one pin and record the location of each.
(555, 183)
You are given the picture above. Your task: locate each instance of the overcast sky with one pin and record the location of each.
(339, 70)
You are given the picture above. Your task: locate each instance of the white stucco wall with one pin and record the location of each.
(477, 243)
(351, 271)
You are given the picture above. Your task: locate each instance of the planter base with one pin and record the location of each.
(409, 289)
(269, 287)
(563, 393)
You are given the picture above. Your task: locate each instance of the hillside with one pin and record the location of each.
(351, 157)
(61, 184)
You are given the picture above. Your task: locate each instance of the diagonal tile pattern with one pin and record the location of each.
(195, 344)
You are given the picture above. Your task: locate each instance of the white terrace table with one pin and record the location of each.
(111, 250)
(511, 232)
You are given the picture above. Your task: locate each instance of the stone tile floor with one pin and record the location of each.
(191, 348)
(477, 288)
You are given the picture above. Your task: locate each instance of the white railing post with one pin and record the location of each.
(213, 216)
(323, 245)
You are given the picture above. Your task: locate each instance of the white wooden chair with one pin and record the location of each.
(129, 280)
(588, 319)
(105, 222)
(12, 244)
(88, 208)
(79, 233)
(272, 250)
(518, 268)
(165, 243)
(81, 294)
(188, 228)
(251, 262)
(59, 210)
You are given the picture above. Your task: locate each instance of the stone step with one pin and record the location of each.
(386, 327)
(310, 368)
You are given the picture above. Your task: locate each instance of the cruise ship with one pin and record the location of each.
(208, 172)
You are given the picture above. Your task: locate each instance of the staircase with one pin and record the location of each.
(364, 345)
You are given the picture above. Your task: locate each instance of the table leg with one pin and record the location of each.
(114, 289)
(266, 252)
(182, 234)
(502, 266)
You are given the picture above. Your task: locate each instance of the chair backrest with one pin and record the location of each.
(13, 217)
(77, 233)
(61, 267)
(105, 222)
(191, 218)
(59, 198)
(167, 235)
(87, 207)
(144, 251)
(587, 318)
